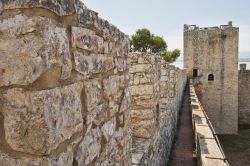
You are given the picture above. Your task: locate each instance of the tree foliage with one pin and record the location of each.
(144, 41)
(141, 40)
(171, 56)
(157, 44)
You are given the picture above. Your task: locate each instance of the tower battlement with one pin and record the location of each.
(195, 27)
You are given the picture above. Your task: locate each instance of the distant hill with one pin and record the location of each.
(244, 59)
(180, 59)
(244, 56)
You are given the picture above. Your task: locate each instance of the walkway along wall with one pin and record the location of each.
(65, 90)
(208, 149)
(157, 89)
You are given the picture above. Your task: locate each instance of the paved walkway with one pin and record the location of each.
(182, 154)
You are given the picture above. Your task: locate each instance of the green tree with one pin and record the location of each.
(171, 56)
(141, 40)
(144, 41)
(157, 44)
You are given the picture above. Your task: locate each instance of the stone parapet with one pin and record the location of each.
(156, 89)
(208, 148)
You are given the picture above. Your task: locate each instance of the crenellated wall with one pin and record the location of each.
(157, 89)
(244, 98)
(72, 95)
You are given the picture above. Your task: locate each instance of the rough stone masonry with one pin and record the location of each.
(66, 90)
(157, 90)
(211, 58)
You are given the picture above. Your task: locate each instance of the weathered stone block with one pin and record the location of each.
(142, 102)
(164, 72)
(119, 135)
(165, 78)
(87, 63)
(141, 90)
(120, 64)
(65, 158)
(60, 7)
(108, 129)
(87, 39)
(172, 73)
(39, 46)
(86, 16)
(38, 122)
(141, 78)
(140, 68)
(92, 94)
(112, 86)
(97, 115)
(143, 129)
(126, 101)
(144, 114)
(7, 160)
(113, 108)
(164, 88)
(90, 147)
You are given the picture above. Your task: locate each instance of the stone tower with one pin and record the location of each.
(211, 58)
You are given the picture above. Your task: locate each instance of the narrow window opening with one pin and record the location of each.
(195, 72)
(157, 115)
(210, 77)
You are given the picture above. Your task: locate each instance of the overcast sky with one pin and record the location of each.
(166, 17)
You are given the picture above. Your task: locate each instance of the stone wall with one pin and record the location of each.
(63, 86)
(211, 56)
(157, 89)
(71, 95)
(244, 97)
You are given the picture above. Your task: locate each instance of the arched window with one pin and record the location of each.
(210, 77)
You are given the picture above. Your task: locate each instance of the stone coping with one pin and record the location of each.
(207, 148)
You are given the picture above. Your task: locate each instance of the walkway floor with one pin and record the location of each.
(182, 153)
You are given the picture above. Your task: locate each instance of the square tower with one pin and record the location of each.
(211, 59)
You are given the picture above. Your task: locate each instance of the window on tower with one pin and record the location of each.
(195, 72)
(210, 77)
